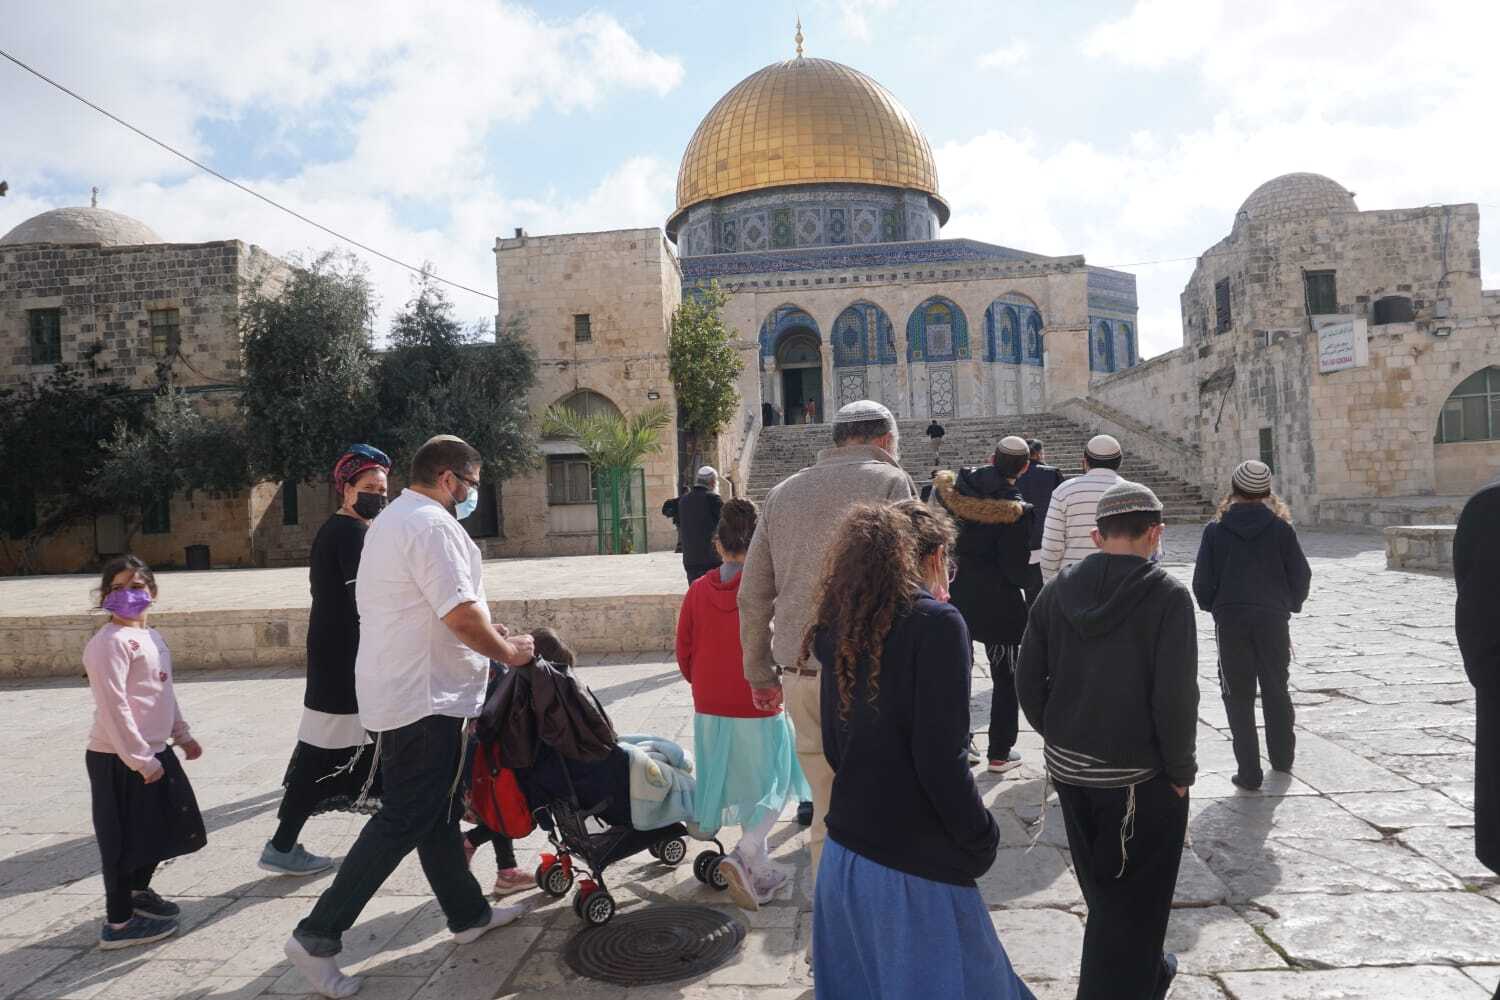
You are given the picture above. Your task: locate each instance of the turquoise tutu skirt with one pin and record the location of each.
(745, 769)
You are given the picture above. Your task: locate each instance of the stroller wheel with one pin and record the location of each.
(701, 864)
(578, 904)
(716, 877)
(554, 880)
(598, 907)
(671, 852)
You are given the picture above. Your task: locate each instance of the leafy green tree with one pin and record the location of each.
(614, 445)
(704, 366)
(441, 377)
(308, 387)
(52, 450)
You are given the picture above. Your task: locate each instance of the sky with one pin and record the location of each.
(1128, 132)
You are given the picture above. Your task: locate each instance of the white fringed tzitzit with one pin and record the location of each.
(1127, 829)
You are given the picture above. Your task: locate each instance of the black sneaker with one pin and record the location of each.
(148, 904)
(804, 813)
(1248, 784)
(1165, 976)
(137, 930)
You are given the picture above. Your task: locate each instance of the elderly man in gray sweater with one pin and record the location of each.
(782, 570)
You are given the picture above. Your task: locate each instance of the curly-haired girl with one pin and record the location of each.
(897, 912)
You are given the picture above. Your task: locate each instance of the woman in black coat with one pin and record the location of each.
(1476, 570)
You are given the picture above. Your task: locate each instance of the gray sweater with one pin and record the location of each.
(797, 523)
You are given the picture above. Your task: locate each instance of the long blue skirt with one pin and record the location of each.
(880, 934)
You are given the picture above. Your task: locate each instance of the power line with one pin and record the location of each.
(229, 180)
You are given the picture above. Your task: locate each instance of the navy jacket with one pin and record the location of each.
(903, 795)
(1036, 485)
(697, 519)
(1250, 562)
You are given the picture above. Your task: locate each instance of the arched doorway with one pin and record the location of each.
(799, 363)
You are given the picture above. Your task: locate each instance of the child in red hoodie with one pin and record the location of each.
(747, 767)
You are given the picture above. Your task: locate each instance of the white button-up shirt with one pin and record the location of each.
(418, 564)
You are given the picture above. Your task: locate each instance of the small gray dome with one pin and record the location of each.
(1292, 196)
(82, 225)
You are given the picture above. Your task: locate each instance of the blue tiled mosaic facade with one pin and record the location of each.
(1013, 331)
(806, 215)
(782, 319)
(1112, 310)
(910, 254)
(937, 331)
(863, 335)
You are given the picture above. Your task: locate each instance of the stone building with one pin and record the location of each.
(810, 195)
(1352, 350)
(78, 280)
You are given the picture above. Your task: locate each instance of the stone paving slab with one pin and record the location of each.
(1353, 877)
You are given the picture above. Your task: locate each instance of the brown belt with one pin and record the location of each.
(800, 671)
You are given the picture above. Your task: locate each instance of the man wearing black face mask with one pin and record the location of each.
(329, 768)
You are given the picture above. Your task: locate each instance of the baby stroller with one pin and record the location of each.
(557, 789)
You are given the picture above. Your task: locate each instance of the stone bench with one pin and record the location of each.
(1420, 546)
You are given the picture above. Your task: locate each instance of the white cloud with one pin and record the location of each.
(1007, 57)
(413, 93)
(854, 16)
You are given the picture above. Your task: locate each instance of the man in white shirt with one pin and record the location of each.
(1067, 535)
(425, 645)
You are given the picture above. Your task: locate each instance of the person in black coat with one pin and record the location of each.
(994, 546)
(1036, 485)
(1476, 571)
(697, 519)
(1252, 576)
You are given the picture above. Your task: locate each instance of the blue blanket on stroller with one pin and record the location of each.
(661, 782)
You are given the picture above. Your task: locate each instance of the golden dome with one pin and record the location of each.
(805, 121)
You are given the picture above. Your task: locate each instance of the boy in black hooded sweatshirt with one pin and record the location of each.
(1108, 677)
(1252, 576)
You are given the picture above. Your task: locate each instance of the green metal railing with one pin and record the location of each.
(621, 505)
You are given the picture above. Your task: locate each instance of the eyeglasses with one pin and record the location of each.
(952, 569)
(472, 484)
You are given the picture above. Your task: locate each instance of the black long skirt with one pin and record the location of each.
(319, 780)
(138, 824)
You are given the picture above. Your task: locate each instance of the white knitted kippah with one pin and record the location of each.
(861, 410)
(1012, 445)
(1102, 446)
(706, 473)
(1252, 478)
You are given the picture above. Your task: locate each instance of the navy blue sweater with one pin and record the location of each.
(903, 795)
(1251, 563)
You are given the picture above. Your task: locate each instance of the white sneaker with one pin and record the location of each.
(739, 882)
(766, 883)
(1010, 763)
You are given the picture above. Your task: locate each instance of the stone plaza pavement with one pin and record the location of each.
(1354, 878)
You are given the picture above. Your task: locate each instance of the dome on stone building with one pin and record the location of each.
(803, 122)
(82, 225)
(1293, 196)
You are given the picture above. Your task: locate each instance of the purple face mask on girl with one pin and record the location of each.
(127, 603)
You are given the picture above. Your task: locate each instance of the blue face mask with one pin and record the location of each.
(463, 508)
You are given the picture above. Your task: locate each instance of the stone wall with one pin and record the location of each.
(1428, 547)
(627, 282)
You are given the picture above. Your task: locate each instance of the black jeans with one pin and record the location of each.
(1129, 909)
(120, 888)
(505, 851)
(1257, 650)
(695, 570)
(1033, 583)
(417, 811)
(1004, 707)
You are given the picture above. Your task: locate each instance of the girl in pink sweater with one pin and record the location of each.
(144, 808)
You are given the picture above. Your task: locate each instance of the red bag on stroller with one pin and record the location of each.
(495, 797)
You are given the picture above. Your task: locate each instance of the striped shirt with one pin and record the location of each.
(1067, 535)
(1072, 768)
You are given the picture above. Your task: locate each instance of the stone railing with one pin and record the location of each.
(1175, 457)
(1420, 546)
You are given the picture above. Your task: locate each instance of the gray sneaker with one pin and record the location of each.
(297, 861)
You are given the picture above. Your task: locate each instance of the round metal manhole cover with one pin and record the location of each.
(655, 944)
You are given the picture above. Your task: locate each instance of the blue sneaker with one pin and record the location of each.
(297, 861)
(137, 930)
(148, 904)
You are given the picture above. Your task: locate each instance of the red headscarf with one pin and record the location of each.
(359, 459)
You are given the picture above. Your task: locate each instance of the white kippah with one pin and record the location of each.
(861, 410)
(708, 472)
(1012, 445)
(1102, 446)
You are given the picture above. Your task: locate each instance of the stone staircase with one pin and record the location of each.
(782, 451)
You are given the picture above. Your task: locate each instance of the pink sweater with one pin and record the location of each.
(135, 710)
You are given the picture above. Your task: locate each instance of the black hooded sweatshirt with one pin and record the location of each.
(993, 549)
(1250, 563)
(1109, 666)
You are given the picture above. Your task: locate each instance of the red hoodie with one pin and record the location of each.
(708, 649)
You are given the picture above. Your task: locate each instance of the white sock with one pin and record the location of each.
(322, 973)
(499, 917)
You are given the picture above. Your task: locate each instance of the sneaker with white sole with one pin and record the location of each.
(766, 882)
(137, 930)
(147, 903)
(511, 880)
(1009, 763)
(738, 881)
(297, 861)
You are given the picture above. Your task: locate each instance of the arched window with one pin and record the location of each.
(1101, 353)
(1034, 338)
(570, 478)
(937, 331)
(587, 403)
(1472, 412)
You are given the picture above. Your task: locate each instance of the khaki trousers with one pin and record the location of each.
(802, 704)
